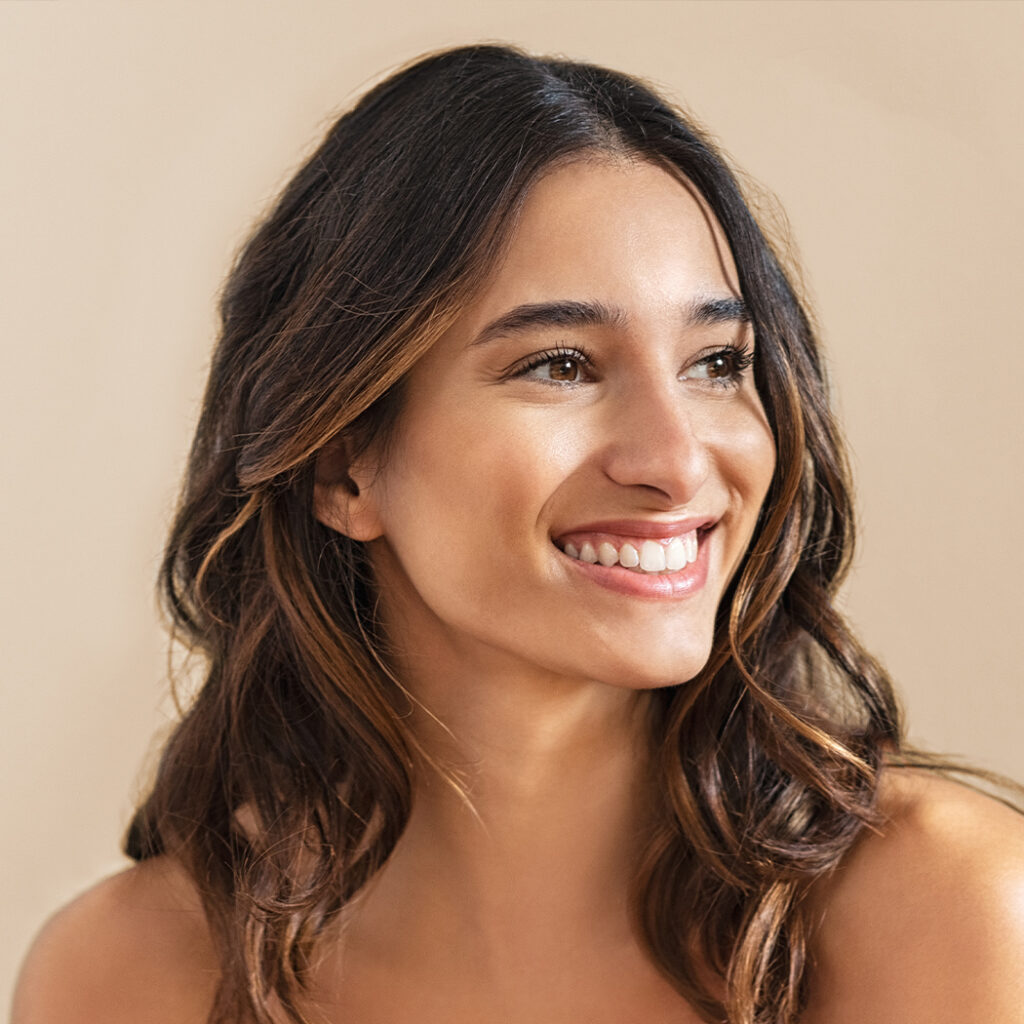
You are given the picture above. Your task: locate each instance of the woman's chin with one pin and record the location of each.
(654, 673)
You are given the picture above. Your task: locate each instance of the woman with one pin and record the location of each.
(511, 535)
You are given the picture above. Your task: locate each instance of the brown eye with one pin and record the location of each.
(721, 365)
(557, 366)
(564, 369)
(724, 368)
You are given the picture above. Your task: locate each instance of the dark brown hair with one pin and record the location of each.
(766, 762)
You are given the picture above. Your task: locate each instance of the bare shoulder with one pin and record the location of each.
(924, 922)
(134, 947)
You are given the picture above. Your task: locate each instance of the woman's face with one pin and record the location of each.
(580, 460)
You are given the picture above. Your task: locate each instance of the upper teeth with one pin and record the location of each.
(649, 556)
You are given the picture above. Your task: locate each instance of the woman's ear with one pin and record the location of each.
(344, 497)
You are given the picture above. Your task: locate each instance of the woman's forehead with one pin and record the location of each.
(618, 232)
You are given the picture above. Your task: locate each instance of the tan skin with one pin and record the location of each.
(514, 909)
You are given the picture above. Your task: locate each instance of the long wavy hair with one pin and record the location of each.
(290, 777)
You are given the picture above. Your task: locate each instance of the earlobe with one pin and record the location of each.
(343, 496)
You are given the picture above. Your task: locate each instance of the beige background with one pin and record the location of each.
(140, 140)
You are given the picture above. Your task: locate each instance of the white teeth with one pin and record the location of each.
(652, 556)
(629, 557)
(676, 554)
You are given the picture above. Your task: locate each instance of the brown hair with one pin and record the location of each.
(766, 762)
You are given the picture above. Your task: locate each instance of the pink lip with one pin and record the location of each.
(688, 580)
(643, 527)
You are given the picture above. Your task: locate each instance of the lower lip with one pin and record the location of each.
(686, 581)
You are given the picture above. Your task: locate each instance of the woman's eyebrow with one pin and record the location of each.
(701, 312)
(561, 313)
(726, 309)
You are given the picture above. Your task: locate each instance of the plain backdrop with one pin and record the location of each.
(141, 140)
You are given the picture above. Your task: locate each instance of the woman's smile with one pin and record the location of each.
(673, 567)
(642, 558)
(585, 438)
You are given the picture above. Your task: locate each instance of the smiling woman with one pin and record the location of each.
(511, 535)
(590, 424)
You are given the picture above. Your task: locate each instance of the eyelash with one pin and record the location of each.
(742, 357)
(552, 355)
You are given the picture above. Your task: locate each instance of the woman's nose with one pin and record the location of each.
(654, 441)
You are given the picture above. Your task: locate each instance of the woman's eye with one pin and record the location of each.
(558, 367)
(562, 369)
(725, 366)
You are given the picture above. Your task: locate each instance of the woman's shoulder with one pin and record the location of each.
(924, 920)
(133, 947)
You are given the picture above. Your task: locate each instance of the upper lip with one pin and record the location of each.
(643, 527)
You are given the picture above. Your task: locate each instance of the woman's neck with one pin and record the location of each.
(531, 840)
